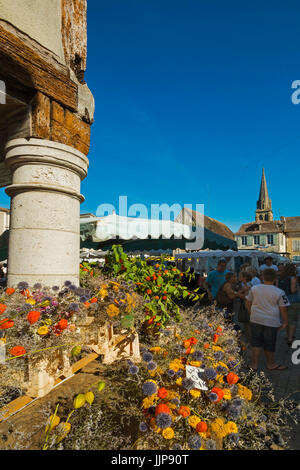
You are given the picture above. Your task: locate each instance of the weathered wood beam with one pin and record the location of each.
(20, 63)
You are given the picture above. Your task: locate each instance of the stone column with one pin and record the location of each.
(44, 238)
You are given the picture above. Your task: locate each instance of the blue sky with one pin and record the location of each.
(192, 99)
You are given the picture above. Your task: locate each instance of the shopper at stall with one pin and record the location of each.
(268, 264)
(289, 283)
(265, 303)
(216, 279)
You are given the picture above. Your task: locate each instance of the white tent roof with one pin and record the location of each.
(130, 228)
(229, 254)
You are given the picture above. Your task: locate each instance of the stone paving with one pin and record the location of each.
(286, 383)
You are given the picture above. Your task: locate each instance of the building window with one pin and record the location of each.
(256, 240)
(244, 241)
(296, 245)
(270, 239)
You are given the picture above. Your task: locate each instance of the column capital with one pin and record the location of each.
(42, 151)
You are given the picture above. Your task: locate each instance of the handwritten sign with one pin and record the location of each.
(193, 373)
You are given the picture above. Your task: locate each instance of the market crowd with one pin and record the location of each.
(261, 302)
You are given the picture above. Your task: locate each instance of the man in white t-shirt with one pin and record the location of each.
(266, 303)
(268, 264)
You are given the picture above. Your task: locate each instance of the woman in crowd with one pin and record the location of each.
(227, 293)
(289, 283)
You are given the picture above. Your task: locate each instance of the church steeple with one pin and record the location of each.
(264, 211)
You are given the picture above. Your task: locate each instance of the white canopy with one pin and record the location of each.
(114, 226)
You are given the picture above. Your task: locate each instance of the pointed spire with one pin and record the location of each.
(263, 201)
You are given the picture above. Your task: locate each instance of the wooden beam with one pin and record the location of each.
(21, 64)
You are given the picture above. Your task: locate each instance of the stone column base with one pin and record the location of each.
(44, 239)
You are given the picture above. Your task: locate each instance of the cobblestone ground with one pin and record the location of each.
(286, 383)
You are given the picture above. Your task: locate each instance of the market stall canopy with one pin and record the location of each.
(136, 234)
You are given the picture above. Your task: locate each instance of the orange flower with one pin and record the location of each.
(162, 392)
(10, 290)
(149, 291)
(188, 351)
(215, 339)
(5, 324)
(193, 340)
(17, 351)
(87, 304)
(219, 392)
(2, 308)
(184, 411)
(219, 329)
(162, 408)
(201, 427)
(187, 343)
(33, 317)
(62, 324)
(94, 300)
(25, 292)
(206, 345)
(232, 378)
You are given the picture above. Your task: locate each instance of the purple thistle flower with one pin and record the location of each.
(213, 396)
(176, 447)
(37, 286)
(210, 373)
(151, 365)
(198, 355)
(55, 288)
(171, 373)
(210, 444)
(188, 384)
(149, 388)
(134, 370)
(163, 420)
(23, 285)
(143, 427)
(194, 442)
(147, 357)
(68, 283)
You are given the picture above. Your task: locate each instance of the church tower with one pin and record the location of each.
(264, 211)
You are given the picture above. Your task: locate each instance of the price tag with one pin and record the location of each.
(193, 373)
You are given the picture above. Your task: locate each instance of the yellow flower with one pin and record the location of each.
(156, 349)
(103, 293)
(43, 330)
(30, 301)
(227, 394)
(218, 428)
(220, 379)
(195, 393)
(52, 422)
(195, 363)
(112, 310)
(222, 364)
(179, 381)
(244, 392)
(63, 430)
(193, 421)
(45, 304)
(231, 427)
(168, 433)
(149, 401)
(217, 348)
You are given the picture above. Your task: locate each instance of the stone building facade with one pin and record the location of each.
(46, 112)
(279, 236)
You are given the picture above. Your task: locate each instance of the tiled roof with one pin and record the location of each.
(292, 224)
(264, 227)
(211, 224)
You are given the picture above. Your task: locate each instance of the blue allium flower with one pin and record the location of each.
(129, 362)
(237, 402)
(151, 365)
(210, 444)
(188, 384)
(163, 420)
(213, 396)
(171, 372)
(147, 357)
(83, 298)
(37, 286)
(194, 442)
(55, 288)
(149, 388)
(210, 373)
(73, 307)
(134, 370)
(233, 411)
(73, 287)
(218, 355)
(198, 355)
(232, 364)
(233, 437)
(176, 447)
(68, 283)
(23, 285)
(175, 401)
(143, 427)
